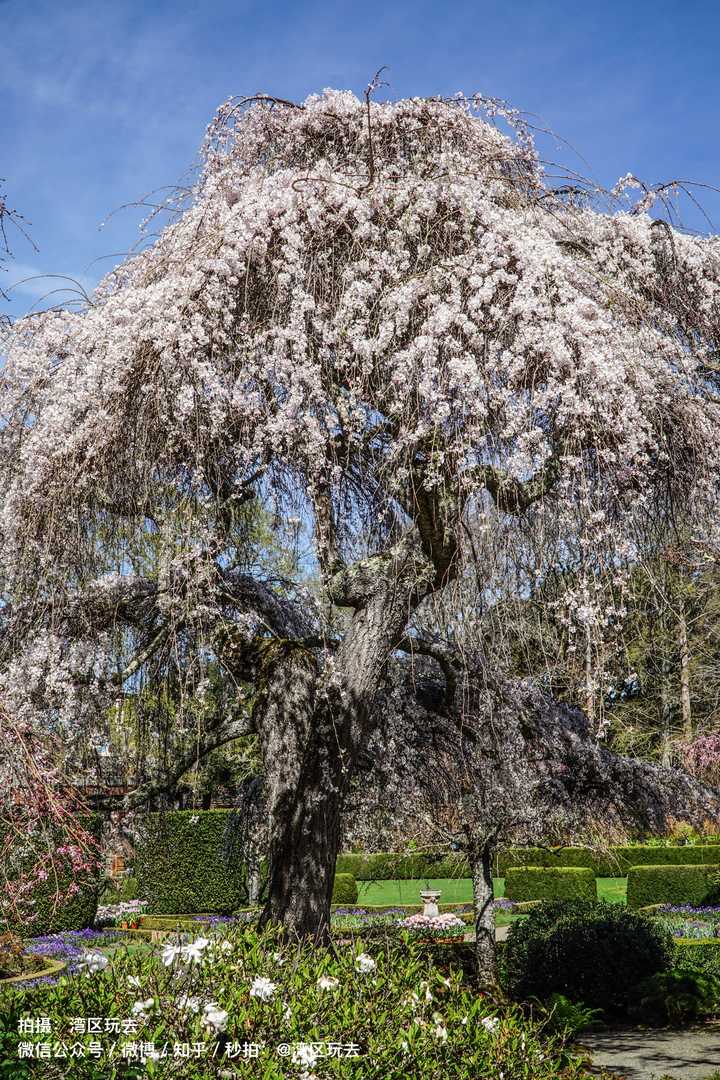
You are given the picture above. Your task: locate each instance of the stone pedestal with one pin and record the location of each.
(430, 898)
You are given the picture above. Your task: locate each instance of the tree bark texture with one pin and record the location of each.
(481, 863)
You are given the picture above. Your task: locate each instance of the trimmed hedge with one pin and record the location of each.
(191, 862)
(393, 866)
(688, 884)
(700, 954)
(345, 890)
(542, 883)
(76, 912)
(615, 862)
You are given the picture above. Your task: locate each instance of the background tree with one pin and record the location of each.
(465, 761)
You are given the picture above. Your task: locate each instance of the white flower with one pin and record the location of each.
(327, 982)
(365, 963)
(490, 1023)
(262, 988)
(305, 1054)
(225, 946)
(287, 1014)
(440, 1032)
(214, 1016)
(194, 819)
(279, 959)
(170, 953)
(189, 1004)
(193, 952)
(142, 1008)
(93, 962)
(133, 981)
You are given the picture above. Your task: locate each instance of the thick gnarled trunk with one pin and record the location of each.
(313, 722)
(304, 842)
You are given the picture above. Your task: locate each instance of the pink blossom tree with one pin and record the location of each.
(377, 319)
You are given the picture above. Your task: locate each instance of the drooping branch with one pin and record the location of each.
(513, 496)
(167, 783)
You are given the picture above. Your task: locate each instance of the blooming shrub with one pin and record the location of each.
(404, 1016)
(701, 757)
(114, 914)
(434, 926)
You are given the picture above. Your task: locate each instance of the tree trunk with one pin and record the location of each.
(666, 711)
(589, 704)
(313, 723)
(481, 863)
(684, 675)
(304, 842)
(254, 883)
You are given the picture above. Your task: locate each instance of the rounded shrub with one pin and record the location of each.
(543, 883)
(345, 890)
(588, 951)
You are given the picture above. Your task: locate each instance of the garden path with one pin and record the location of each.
(693, 1054)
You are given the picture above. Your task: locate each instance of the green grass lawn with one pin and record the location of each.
(612, 889)
(459, 890)
(454, 891)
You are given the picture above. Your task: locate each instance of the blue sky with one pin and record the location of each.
(102, 102)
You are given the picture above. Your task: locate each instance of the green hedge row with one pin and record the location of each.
(614, 862)
(543, 883)
(191, 862)
(392, 866)
(691, 884)
(74, 913)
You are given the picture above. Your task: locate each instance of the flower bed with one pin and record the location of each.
(127, 911)
(39, 971)
(71, 947)
(399, 1012)
(428, 927)
(685, 921)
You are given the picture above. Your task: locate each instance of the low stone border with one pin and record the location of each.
(53, 967)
